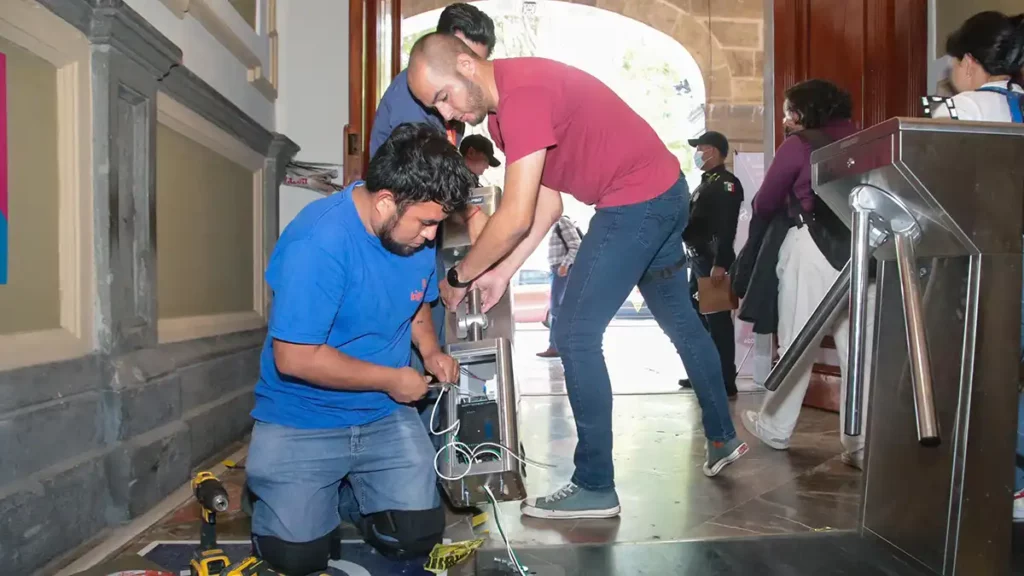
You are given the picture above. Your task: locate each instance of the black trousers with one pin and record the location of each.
(719, 324)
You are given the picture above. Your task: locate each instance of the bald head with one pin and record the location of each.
(445, 74)
(439, 51)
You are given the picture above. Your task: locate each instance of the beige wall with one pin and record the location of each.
(950, 14)
(204, 233)
(247, 8)
(30, 301)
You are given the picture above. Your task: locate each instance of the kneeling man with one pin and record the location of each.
(334, 436)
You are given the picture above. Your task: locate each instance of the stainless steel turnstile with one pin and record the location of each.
(939, 205)
(481, 411)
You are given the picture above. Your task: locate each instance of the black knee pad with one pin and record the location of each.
(404, 534)
(294, 558)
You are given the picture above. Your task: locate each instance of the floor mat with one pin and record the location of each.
(358, 558)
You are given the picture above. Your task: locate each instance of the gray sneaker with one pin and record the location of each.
(721, 454)
(752, 422)
(572, 502)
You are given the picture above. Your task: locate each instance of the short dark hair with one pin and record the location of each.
(471, 21)
(418, 164)
(994, 39)
(818, 102)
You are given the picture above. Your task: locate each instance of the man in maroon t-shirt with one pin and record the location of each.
(562, 130)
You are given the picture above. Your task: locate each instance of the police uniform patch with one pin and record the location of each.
(730, 187)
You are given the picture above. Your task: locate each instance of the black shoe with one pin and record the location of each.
(685, 383)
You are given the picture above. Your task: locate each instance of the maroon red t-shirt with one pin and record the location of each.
(599, 150)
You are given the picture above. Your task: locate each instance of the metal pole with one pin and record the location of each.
(824, 316)
(860, 259)
(917, 342)
(476, 330)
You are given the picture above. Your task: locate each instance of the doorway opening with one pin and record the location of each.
(662, 82)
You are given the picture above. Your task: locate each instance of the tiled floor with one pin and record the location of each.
(659, 451)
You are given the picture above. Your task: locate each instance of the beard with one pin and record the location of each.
(387, 239)
(474, 102)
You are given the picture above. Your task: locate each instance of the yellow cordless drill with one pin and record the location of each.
(251, 566)
(209, 560)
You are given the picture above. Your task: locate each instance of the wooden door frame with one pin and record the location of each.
(365, 37)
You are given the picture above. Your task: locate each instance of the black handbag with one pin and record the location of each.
(830, 234)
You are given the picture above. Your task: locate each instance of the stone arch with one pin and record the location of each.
(727, 44)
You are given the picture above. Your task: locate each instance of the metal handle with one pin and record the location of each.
(860, 262)
(476, 329)
(917, 342)
(823, 318)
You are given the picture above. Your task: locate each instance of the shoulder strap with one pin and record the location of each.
(928, 101)
(558, 230)
(1014, 99)
(815, 138)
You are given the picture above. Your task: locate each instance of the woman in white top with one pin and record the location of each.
(988, 62)
(987, 55)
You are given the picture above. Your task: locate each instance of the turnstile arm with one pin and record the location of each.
(860, 262)
(829, 309)
(917, 342)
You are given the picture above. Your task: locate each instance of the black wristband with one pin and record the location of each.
(453, 279)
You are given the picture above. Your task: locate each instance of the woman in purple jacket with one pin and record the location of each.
(817, 112)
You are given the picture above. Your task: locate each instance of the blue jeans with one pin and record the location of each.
(626, 246)
(558, 284)
(304, 482)
(1018, 480)
(1018, 483)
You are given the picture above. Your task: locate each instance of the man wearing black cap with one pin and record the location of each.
(709, 236)
(479, 154)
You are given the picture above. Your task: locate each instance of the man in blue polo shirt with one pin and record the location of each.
(397, 105)
(334, 436)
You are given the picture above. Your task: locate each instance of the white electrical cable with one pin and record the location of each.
(497, 521)
(471, 454)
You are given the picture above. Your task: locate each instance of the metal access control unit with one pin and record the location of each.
(486, 402)
(939, 205)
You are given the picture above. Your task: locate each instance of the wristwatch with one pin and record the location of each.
(453, 279)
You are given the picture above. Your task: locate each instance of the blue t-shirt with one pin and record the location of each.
(398, 106)
(335, 283)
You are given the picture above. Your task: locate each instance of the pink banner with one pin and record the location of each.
(4, 220)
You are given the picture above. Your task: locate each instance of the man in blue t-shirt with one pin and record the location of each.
(334, 436)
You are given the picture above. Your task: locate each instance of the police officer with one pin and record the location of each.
(709, 236)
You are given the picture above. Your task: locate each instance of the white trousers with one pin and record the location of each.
(804, 278)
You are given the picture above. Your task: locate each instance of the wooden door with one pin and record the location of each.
(374, 43)
(875, 49)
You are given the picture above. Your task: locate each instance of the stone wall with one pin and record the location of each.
(93, 442)
(725, 37)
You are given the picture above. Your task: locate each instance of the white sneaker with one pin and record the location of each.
(1018, 506)
(752, 422)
